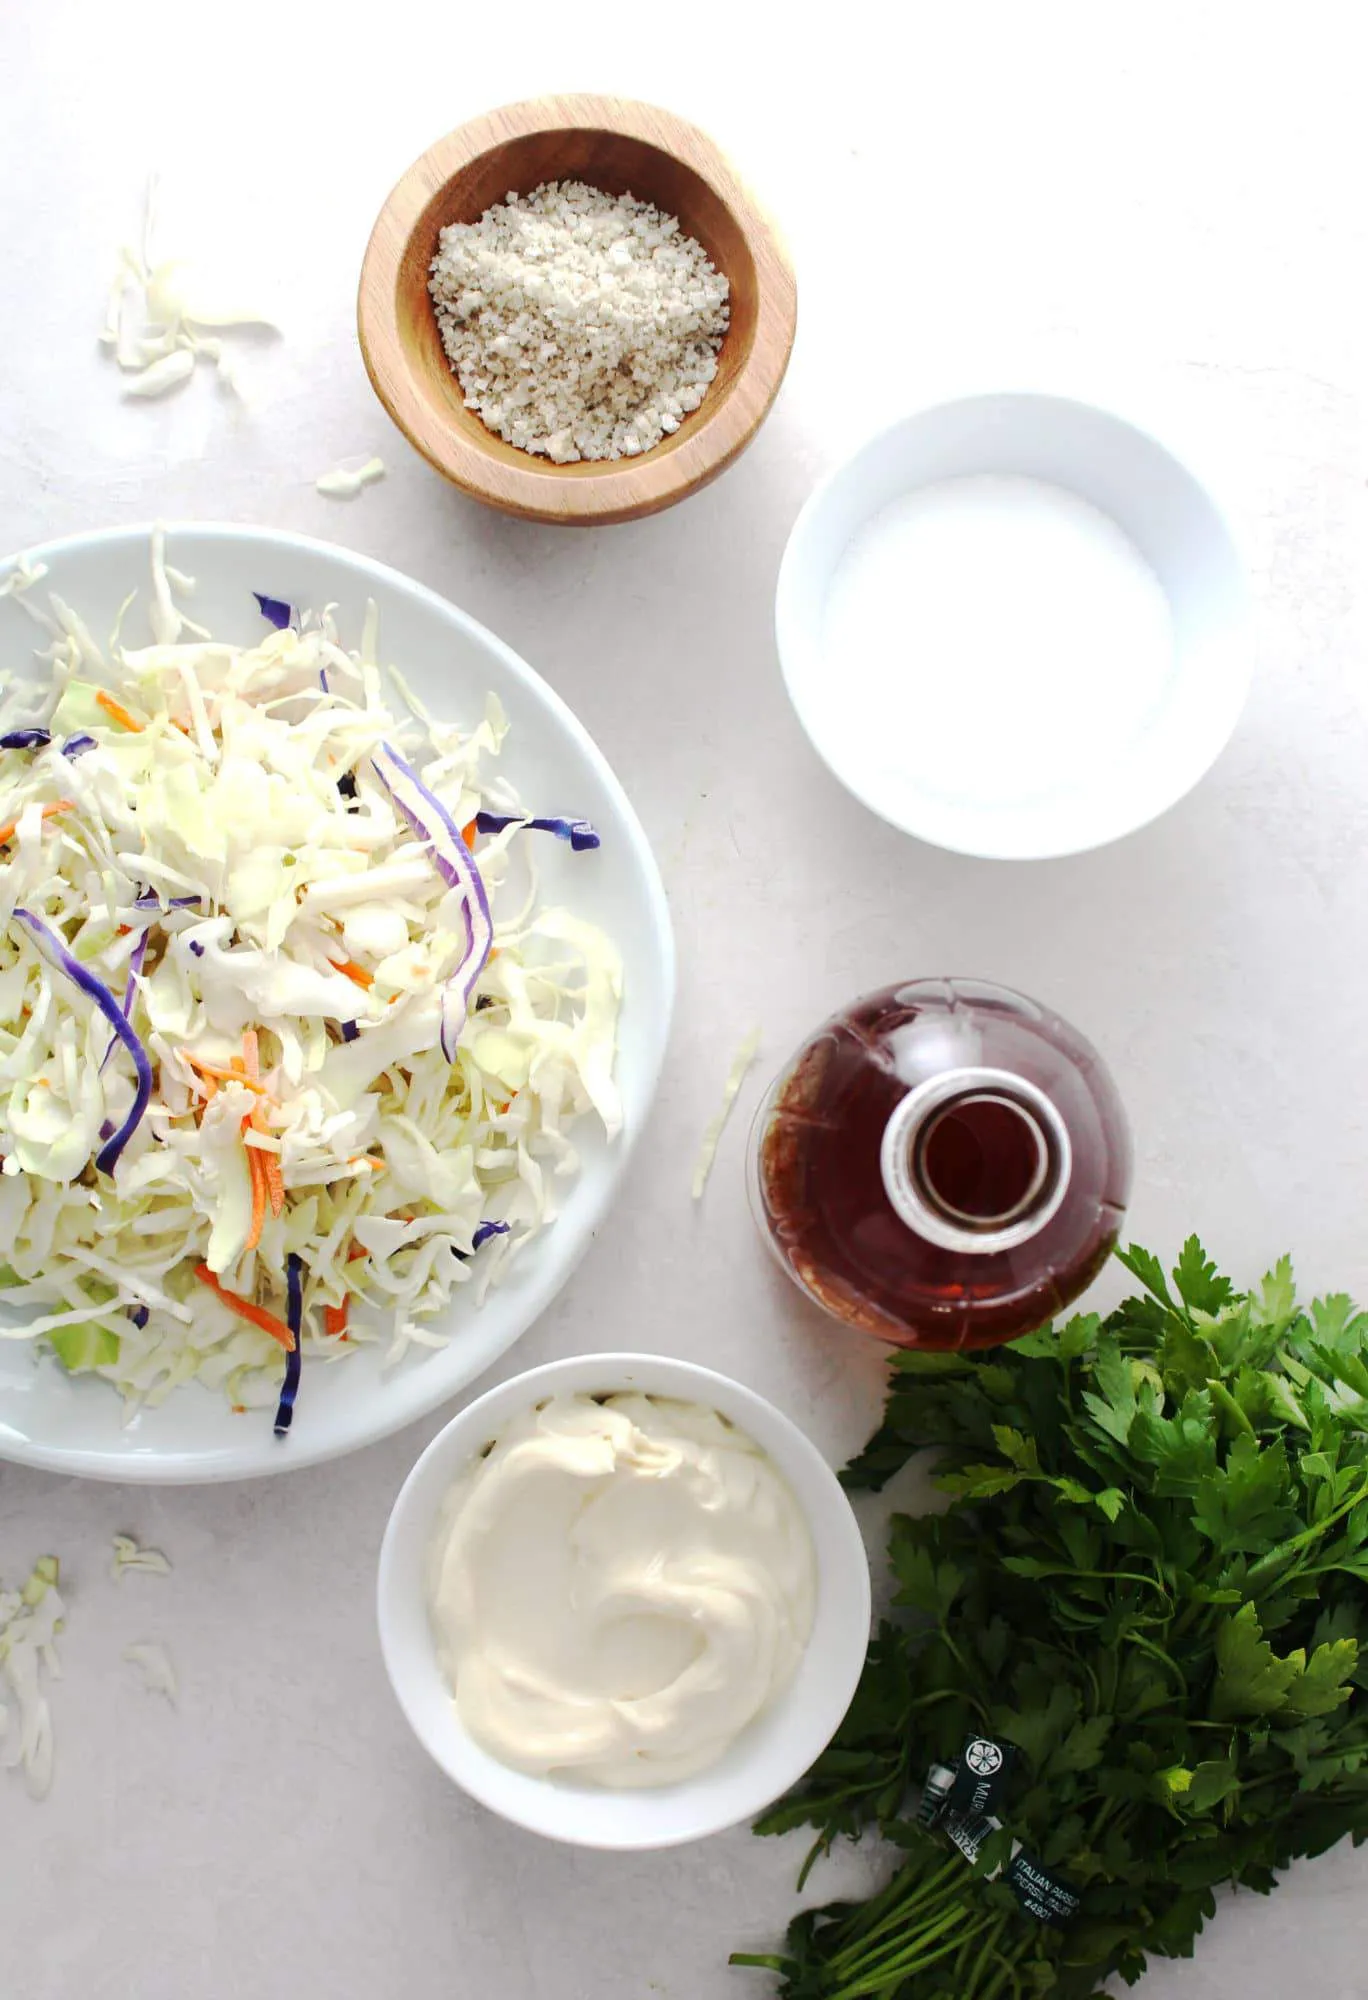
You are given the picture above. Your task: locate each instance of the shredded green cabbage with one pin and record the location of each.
(235, 866)
(30, 1620)
(128, 1555)
(154, 1663)
(158, 322)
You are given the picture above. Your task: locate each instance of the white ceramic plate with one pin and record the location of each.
(769, 1756)
(938, 790)
(78, 1426)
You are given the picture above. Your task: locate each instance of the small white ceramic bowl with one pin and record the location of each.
(768, 1757)
(1170, 518)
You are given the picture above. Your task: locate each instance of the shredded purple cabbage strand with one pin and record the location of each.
(135, 966)
(451, 857)
(483, 1232)
(294, 1319)
(135, 963)
(274, 610)
(57, 955)
(580, 834)
(38, 739)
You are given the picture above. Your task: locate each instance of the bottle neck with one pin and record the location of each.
(976, 1160)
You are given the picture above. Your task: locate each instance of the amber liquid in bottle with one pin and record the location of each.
(945, 1164)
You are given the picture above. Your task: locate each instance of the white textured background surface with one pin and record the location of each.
(1169, 197)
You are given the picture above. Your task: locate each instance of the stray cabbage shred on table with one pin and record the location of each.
(30, 1619)
(270, 1045)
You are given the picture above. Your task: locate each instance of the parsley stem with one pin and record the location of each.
(888, 1909)
(1309, 1535)
(877, 1907)
(1006, 1971)
(960, 1662)
(914, 1958)
(937, 1694)
(988, 1951)
(958, 1971)
(1080, 1660)
(1134, 1638)
(860, 1789)
(893, 1918)
(1106, 1576)
(911, 1933)
(820, 1846)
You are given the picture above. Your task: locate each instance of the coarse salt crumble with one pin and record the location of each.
(580, 325)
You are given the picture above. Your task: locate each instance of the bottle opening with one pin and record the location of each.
(982, 1160)
(976, 1159)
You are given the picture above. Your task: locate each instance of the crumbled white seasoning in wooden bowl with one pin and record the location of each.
(580, 325)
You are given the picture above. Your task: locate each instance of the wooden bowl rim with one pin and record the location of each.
(628, 487)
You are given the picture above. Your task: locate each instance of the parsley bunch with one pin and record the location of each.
(1153, 1581)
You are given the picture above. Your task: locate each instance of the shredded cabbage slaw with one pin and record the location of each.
(280, 1008)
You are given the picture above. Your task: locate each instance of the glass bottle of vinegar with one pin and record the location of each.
(945, 1164)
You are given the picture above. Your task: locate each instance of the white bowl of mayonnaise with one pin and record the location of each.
(623, 1601)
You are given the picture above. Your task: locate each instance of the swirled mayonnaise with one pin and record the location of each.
(617, 1588)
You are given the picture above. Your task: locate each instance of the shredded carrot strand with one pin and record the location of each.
(116, 711)
(258, 1197)
(208, 1091)
(258, 1184)
(335, 1317)
(275, 1181)
(357, 1250)
(267, 1178)
(224, 1072)
(468, 832)
(11, 826)
(246, 1309)
(355, 972)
